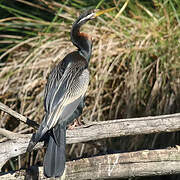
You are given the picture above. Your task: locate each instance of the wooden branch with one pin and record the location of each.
(99, 130)
(124, 127)
(113, 128)
(10, 135)
(142, 163)
(122, 165)
(14, 147)
(18, 116)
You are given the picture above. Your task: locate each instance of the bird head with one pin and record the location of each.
(91, 14)
(81, 40)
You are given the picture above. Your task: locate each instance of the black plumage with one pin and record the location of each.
(64, 98)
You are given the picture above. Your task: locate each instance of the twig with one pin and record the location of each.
(18, 116)
(17, 46)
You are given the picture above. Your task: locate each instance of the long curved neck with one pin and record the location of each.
(81, 41)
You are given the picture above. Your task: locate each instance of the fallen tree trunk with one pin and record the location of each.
(147, 162)
(121, 165)
(125, 127)
(94, 131)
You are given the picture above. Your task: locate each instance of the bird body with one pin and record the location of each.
(64, 98)
(65, 89)
(68, 88)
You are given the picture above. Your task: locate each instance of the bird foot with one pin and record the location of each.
(75, 124)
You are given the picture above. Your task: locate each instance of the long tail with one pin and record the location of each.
(55, 158)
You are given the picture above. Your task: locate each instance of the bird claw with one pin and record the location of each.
(75, 124)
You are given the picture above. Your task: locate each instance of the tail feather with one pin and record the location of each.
(36, 137)
(54, 160)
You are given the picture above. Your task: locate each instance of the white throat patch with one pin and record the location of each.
(87, 17)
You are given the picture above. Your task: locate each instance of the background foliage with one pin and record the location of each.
(134, 67)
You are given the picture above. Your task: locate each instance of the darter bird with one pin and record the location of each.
(64, 97)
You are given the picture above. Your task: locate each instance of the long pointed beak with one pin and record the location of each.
(98, 13)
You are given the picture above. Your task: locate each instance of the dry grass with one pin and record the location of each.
(134, 72)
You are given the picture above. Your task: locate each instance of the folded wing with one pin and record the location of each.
(65, 92)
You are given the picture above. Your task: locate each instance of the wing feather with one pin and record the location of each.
(71, 87)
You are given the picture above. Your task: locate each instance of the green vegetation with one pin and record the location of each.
(135, 66)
